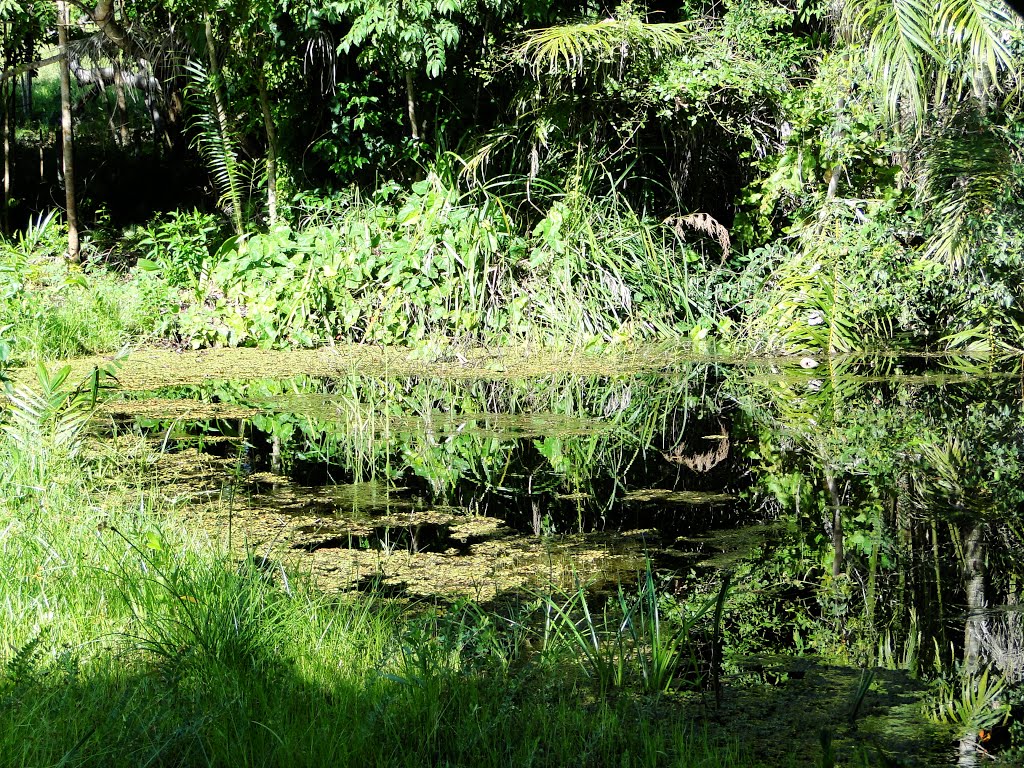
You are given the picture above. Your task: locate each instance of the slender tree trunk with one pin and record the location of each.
(8, 159)
(974, 627)
(268, 122)
(122, 109)
(837, 169)
(276, 463)
(837, 133)
(26, 93)
(837, 525)
(974, 587)
(940, 619)
(410, 97)
(74, 253)
(26, 77)
(872, 595)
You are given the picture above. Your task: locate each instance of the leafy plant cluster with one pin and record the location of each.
(433, 263)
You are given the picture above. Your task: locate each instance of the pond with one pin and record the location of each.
(866, 512)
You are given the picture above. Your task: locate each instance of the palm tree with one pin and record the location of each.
(941, 67)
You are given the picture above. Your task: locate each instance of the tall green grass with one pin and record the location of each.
(126, 640)
(52, 309)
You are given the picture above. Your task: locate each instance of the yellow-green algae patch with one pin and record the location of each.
(668, 496)
(152, 368)
(343, 536)
(497, 425)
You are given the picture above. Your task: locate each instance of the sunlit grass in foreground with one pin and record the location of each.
(124, 641)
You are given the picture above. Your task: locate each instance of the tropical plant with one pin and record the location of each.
(632, 639)
(927, 56)
(407, 38)
(46, 421)
(977, 704)
(218, 143)
(179, 247)
(573, 49)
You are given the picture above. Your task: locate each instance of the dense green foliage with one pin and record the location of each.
(771, 179)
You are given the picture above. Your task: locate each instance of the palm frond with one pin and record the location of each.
(915, 47)
(899, 47)
(966, 175)
(975, 27)
(575, 48)
(48, 414)
(217, 143)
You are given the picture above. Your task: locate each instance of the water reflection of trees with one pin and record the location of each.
(906, 492)
(898, 483)
(560, 450)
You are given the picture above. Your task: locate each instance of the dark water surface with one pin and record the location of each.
(867, 511)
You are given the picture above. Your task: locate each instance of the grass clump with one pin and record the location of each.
(50, 308)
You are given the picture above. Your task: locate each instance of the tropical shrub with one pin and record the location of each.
(439, 263)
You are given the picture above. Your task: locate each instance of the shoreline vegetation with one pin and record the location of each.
(501, 189)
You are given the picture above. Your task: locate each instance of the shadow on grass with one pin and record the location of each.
(226, 666)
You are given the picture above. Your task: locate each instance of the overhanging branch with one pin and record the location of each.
(29, 66)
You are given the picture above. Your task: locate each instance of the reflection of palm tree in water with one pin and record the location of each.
(991, 638)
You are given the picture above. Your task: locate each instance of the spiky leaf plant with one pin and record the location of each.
(576, 48)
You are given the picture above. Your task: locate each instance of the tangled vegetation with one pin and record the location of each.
(743, 174)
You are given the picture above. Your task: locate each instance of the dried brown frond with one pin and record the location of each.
(704, 223)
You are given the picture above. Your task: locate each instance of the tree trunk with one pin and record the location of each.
(122, 110)
(8, 160)
(974, 587)
(974, 627)
(103, 16)
(837, 169)
(26, 78)
(268, 122)
(837, 524)
(410, 96)
(837, 133)
(74, 253)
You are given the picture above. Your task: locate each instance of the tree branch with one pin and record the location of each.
(103, 16)
(29, 66)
